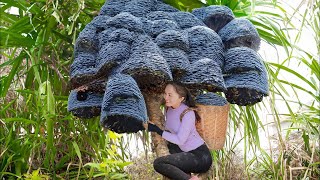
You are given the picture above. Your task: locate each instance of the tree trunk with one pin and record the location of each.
(153, 102)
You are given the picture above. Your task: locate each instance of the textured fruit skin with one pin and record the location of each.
(135, 47)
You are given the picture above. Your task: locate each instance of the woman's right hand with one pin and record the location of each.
(194, 178)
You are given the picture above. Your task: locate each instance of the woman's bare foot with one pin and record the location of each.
(194, 178)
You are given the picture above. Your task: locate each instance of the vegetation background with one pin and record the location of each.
(39, 139)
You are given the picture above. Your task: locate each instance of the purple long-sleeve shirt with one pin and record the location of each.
(183, 133)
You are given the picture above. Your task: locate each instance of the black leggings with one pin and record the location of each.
(179, 165)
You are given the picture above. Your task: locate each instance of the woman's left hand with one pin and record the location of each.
(145, 125)
(152, 128)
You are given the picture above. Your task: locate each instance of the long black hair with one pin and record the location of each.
(188, 99)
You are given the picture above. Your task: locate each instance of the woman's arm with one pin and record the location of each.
(188, 121)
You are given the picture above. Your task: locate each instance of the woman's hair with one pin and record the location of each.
(188, 99)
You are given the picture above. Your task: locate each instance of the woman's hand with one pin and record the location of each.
(152, 128)
(145, 125)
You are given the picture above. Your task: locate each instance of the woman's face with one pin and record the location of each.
(171, 97)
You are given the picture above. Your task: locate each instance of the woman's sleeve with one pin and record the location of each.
(182, 135)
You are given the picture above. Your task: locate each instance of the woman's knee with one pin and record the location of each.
(157, 163)
(207, 163)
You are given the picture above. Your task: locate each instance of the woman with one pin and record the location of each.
(188, 152)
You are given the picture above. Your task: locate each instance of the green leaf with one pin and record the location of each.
(50, 99)
(270, 38)
(7, 63)
(118, 176)
(22, 120)
(7, 106)
(301, 88)
(22, 25)
(306, 141)
(23, 5)
(14, 70)
(94, 165)
(185, 5)
(262, 26)
(294, 73)
(77, 149)
(63, 37)
(13, 39)
(272, 14)
(8, 18)
(113, 135)
(34, 66)
(233, 4)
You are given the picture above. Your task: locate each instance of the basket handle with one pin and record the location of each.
(185, 112)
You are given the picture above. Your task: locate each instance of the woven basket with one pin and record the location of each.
(213, 125)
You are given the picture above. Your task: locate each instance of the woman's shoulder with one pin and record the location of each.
(188, 112)
(187, 108)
